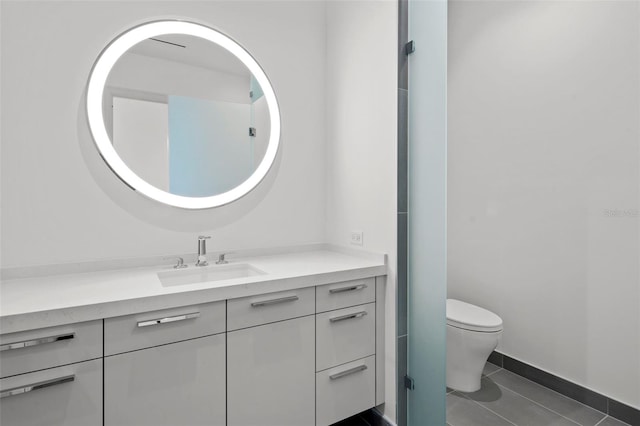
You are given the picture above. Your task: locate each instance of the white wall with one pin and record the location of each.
(361, 141)
(60, 203)
(544, 133)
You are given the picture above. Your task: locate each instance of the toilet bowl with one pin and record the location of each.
(472, 334)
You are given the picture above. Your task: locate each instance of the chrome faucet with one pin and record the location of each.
(202, 251)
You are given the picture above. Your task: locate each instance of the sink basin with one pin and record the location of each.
(208, 273)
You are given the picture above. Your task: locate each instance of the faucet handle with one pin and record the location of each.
(221, 257)
(178, 265)
(204, 237)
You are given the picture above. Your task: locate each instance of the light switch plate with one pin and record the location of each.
(356, 238)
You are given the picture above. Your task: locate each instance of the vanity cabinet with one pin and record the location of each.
(345, 390)
(345, 335)
(344, 294)
(166, 367)
(32, 350)
(148, 329)
(271, 359)
(345, 349)
(251, 311)
(310, 356)
(69, 395)
(176, 384)
(271, 374)
(52, 376)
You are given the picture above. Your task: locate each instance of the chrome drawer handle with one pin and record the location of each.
(274, 301)
(36, 386)
(343, 289)
(348, 316)
(348, 372)
(168, 319)
(36, 342)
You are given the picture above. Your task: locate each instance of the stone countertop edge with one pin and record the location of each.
(48, 314)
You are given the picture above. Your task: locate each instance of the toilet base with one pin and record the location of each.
(463, 382)
(467, 353)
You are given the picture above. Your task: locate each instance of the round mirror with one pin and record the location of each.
(183, 114)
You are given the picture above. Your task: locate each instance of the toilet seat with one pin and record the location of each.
(471, 317)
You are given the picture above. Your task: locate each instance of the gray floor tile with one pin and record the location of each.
(462, 411)
(515, 408)
(610, 421)
(579, 413)
(490, 369)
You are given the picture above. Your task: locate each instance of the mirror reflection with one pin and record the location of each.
(186, 115)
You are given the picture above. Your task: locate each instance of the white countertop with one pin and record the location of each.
(45, 301)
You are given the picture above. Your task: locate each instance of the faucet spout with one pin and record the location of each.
(202, 251)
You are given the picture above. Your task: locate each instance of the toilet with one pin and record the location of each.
(472, 334)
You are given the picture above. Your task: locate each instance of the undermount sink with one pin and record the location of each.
(208, 273)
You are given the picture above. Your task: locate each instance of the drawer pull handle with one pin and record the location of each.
(348, 372)
(36, 342)
(36, 386)
(348, 316)
(274, 301)
(169, 319)
(343, 289)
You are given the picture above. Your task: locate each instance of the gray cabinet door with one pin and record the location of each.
(177, 384)
(70, 395)
(271, 374)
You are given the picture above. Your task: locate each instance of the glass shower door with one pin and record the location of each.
(427, 285)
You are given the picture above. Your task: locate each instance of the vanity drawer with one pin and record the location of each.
(265, 308)
(32, 350)
(139, 331)
(345, 335)
(344, 294)
(345, 390)
(68, 395)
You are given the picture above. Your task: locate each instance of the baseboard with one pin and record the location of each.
(569, 389)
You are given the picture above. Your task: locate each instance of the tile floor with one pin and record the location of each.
(507, 399)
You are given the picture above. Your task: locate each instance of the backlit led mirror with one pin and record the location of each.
(183, 114)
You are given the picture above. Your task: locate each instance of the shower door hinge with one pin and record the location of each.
(252, 131)
(409, 48)
(408, 383)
